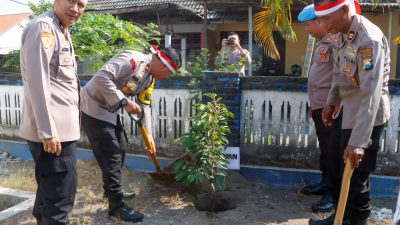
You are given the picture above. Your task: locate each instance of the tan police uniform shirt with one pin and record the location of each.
(51, 89)
(321, 72)
(361, 75)
(123, 75)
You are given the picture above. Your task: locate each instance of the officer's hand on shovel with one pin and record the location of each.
(352, 157)
(355, 155)
(132, 107)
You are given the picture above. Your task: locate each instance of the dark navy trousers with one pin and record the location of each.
(56, 178)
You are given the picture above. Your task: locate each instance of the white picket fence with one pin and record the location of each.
(269, 119)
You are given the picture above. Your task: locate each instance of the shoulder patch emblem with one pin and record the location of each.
(366, 56)
(47, 39)
(322, 48)
(367, 64)
(366, 53)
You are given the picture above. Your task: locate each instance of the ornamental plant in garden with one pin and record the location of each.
(205, 142)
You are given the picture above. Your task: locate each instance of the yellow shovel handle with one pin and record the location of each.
(344, 193)
(150, 147)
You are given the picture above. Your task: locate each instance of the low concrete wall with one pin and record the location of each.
(271, 125)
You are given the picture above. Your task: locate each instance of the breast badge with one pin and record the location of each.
(131, 85)
(346, 69)
(322, 57)
(125, 89)
(67, 60)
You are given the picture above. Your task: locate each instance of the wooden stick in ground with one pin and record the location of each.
(344, 192)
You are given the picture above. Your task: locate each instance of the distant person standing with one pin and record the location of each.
(319, 84)
(232, 53)
(50, 113)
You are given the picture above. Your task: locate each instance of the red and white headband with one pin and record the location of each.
(171, 66)
(323, 10)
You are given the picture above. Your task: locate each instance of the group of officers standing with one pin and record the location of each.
(349, 102)
(347, 87)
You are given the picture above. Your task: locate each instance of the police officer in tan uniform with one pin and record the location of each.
(360, 80)
(129, 73)
(50, 112)
(319, 84)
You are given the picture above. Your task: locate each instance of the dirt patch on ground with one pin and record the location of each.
(168, 204)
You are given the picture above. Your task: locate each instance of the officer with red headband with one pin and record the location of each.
(360, 83)
(129, 73)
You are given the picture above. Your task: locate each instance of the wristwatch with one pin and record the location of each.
(123, 102)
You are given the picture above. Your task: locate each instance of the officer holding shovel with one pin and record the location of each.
(360, 82)
(129, 73)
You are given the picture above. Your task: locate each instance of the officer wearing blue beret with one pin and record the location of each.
(319, 84)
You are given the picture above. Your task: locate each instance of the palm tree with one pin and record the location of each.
(275, 15)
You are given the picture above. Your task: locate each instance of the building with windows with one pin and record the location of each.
(192, 28)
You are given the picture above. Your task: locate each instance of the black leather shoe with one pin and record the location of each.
(358, 221)
(128, 194)
(323, 205)
(316, 189)
(328, 221)
(125, 213)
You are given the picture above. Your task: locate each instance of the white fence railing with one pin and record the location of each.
(273, 123)
(275, 126)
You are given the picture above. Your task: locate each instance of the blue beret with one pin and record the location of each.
(307, 13)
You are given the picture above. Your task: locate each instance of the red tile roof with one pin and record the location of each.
(8, 21)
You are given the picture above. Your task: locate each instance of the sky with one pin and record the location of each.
(15, 6)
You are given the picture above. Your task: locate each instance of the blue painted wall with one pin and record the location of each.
(381, 186)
